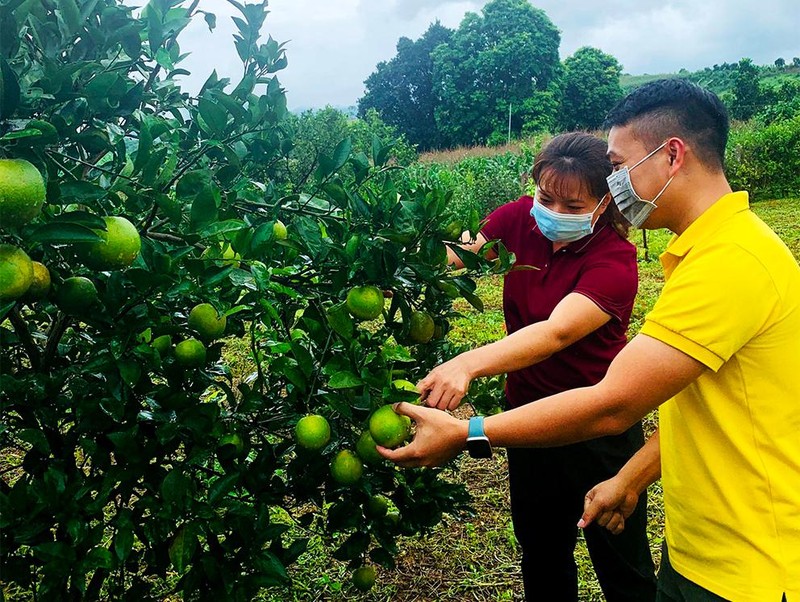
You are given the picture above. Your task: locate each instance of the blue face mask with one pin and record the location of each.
(562, 227)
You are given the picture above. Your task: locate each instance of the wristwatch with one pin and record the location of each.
(478, 444)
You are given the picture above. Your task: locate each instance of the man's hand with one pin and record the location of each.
(438, 438)
(446, 385)
(608, 504)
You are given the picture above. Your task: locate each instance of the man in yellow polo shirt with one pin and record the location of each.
(721, 348)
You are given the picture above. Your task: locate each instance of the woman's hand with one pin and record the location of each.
(446, 385)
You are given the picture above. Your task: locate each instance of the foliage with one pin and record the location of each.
(746, 97)
(129, 475)
(494, 61)
(590, 88)
(765, 160)
(316, 133)
(401, 90)
(479, 184)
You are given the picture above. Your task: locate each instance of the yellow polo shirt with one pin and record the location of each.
(730, 442)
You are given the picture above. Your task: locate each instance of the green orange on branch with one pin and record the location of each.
(366, 450)
(190, 353)
(365, 302)
(22, 192)
(118, 247)
(422, 327)
(41, 282)
(162, 344)
(16, 272)
(364, 578)
(388, 428)
(206, 321)
(312, 432)
(279, 230)
(76, 295)
(346, 468)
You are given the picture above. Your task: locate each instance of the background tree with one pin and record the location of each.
(499, 58)
(401, 90)
(590, 87)
(746, 97)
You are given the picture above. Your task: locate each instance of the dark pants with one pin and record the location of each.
(674, 587)
(547, 491)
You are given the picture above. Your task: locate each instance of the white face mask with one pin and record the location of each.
(633, 207)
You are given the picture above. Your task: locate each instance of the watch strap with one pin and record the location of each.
(475, 427)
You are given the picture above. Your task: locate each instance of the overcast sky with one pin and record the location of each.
(333, 45)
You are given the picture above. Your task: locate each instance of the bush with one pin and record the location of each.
(765, 160)
(480, 184)
(136, 464)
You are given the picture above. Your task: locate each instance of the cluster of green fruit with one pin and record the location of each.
(385, 428)
(22, 196)
(367, 302)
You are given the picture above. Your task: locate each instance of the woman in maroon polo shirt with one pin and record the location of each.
(566, 320)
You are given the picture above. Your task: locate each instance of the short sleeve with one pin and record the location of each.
(500, 221)
(611, 281)
(713, 305)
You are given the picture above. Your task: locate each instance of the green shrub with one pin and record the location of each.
(765, 160)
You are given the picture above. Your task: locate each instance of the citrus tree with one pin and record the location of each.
(144, 229)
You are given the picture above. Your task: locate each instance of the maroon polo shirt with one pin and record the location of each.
(601, 266)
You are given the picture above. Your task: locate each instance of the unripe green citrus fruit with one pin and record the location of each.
(231, 445)
(205, 320)
(365, 302)
(312, 432)
(119, 245)
(162, 344)
(388, 428)
(22, 192)
(76, 295)
(346, 468)
(190, 353)
(364, 578)
(41, 282)
(16, 272)
(279, 230)
(422, 327)
(366, 450)
(377, 506)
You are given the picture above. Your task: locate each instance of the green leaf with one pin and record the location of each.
(175, 487)
(9, 90)
(271, 571)
(123, 542)
(27, 133)
(55, 232)
(229, 225)
(345, 380)
(341, 153)
(222, 487)
(182, 548)
(340, 320)
(99, 558)
(204, 207)
(80, 191)
(214, 115)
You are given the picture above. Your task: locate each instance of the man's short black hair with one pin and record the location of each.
(676, 107)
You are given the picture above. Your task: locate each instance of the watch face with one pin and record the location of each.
(479, 447)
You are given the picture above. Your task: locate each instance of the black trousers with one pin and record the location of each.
(547, 491)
